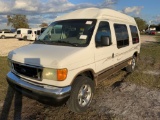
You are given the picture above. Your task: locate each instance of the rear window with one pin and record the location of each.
(38, 32)
(18, 32)
(29, 31)
(42, 30)
(134, 33)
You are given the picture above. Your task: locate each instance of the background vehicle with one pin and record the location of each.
(152, 32)
(39, 32)
(32, 33)
(7, 34)
(22, 33)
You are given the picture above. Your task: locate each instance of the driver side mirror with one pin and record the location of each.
(105, 41)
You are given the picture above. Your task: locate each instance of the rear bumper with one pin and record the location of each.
(30, 89)
(30, 38)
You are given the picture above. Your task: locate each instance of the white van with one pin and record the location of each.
(22, 33)
(75, 52)
(39, 32)
(7, 34)
(32, 33)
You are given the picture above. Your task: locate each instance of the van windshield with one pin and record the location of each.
(69, 33)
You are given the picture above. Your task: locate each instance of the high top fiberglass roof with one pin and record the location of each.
(96, 13)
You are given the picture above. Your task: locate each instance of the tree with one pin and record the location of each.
(17, 21)
(142, 24)
(43, 25)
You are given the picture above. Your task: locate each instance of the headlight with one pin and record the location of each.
(54, 74)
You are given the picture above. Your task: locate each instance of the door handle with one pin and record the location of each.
(112, 55)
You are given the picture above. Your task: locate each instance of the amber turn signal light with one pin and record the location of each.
(62, 74)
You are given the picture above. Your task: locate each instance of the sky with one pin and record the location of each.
(38, 11)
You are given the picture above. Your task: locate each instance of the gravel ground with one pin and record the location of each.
(121, 101)
(147, 38)
(6, 45)
(130, 102)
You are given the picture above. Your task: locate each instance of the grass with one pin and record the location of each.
(3, 83)
(148, 66)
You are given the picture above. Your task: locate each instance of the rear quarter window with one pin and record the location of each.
(122, 36)
(18, 32)
(134, 33)
(29, 31)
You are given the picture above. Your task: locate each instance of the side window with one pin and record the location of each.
(103, 30)
(121, 35)
(134, 33)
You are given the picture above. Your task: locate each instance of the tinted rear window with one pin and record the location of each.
(42, 30)
(38, 32)
(29, 31)
(134, 33)
(18, 32)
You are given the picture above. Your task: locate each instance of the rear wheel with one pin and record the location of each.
(81, 94)
(25, 38)
(3, 37)
(130, 68)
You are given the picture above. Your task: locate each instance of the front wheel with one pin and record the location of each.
(81, 94)
(130, 68)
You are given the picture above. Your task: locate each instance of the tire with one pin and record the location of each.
(3, 37)
(25, 38)
(81, 94)
(130, 68)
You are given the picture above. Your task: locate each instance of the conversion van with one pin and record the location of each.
(22, 33)
(66, 63)
(32, 33)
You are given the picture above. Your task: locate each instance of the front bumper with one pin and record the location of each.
(30, 89)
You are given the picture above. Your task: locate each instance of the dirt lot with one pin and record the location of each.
(114, 99)
(6, 45)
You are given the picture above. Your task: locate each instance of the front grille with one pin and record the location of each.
(28, 71)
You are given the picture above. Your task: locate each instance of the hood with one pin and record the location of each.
(50, 56)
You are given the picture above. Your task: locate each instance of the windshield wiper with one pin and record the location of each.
(73, 44)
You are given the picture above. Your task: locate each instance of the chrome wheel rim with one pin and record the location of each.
(84, 95)
(133, 63)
